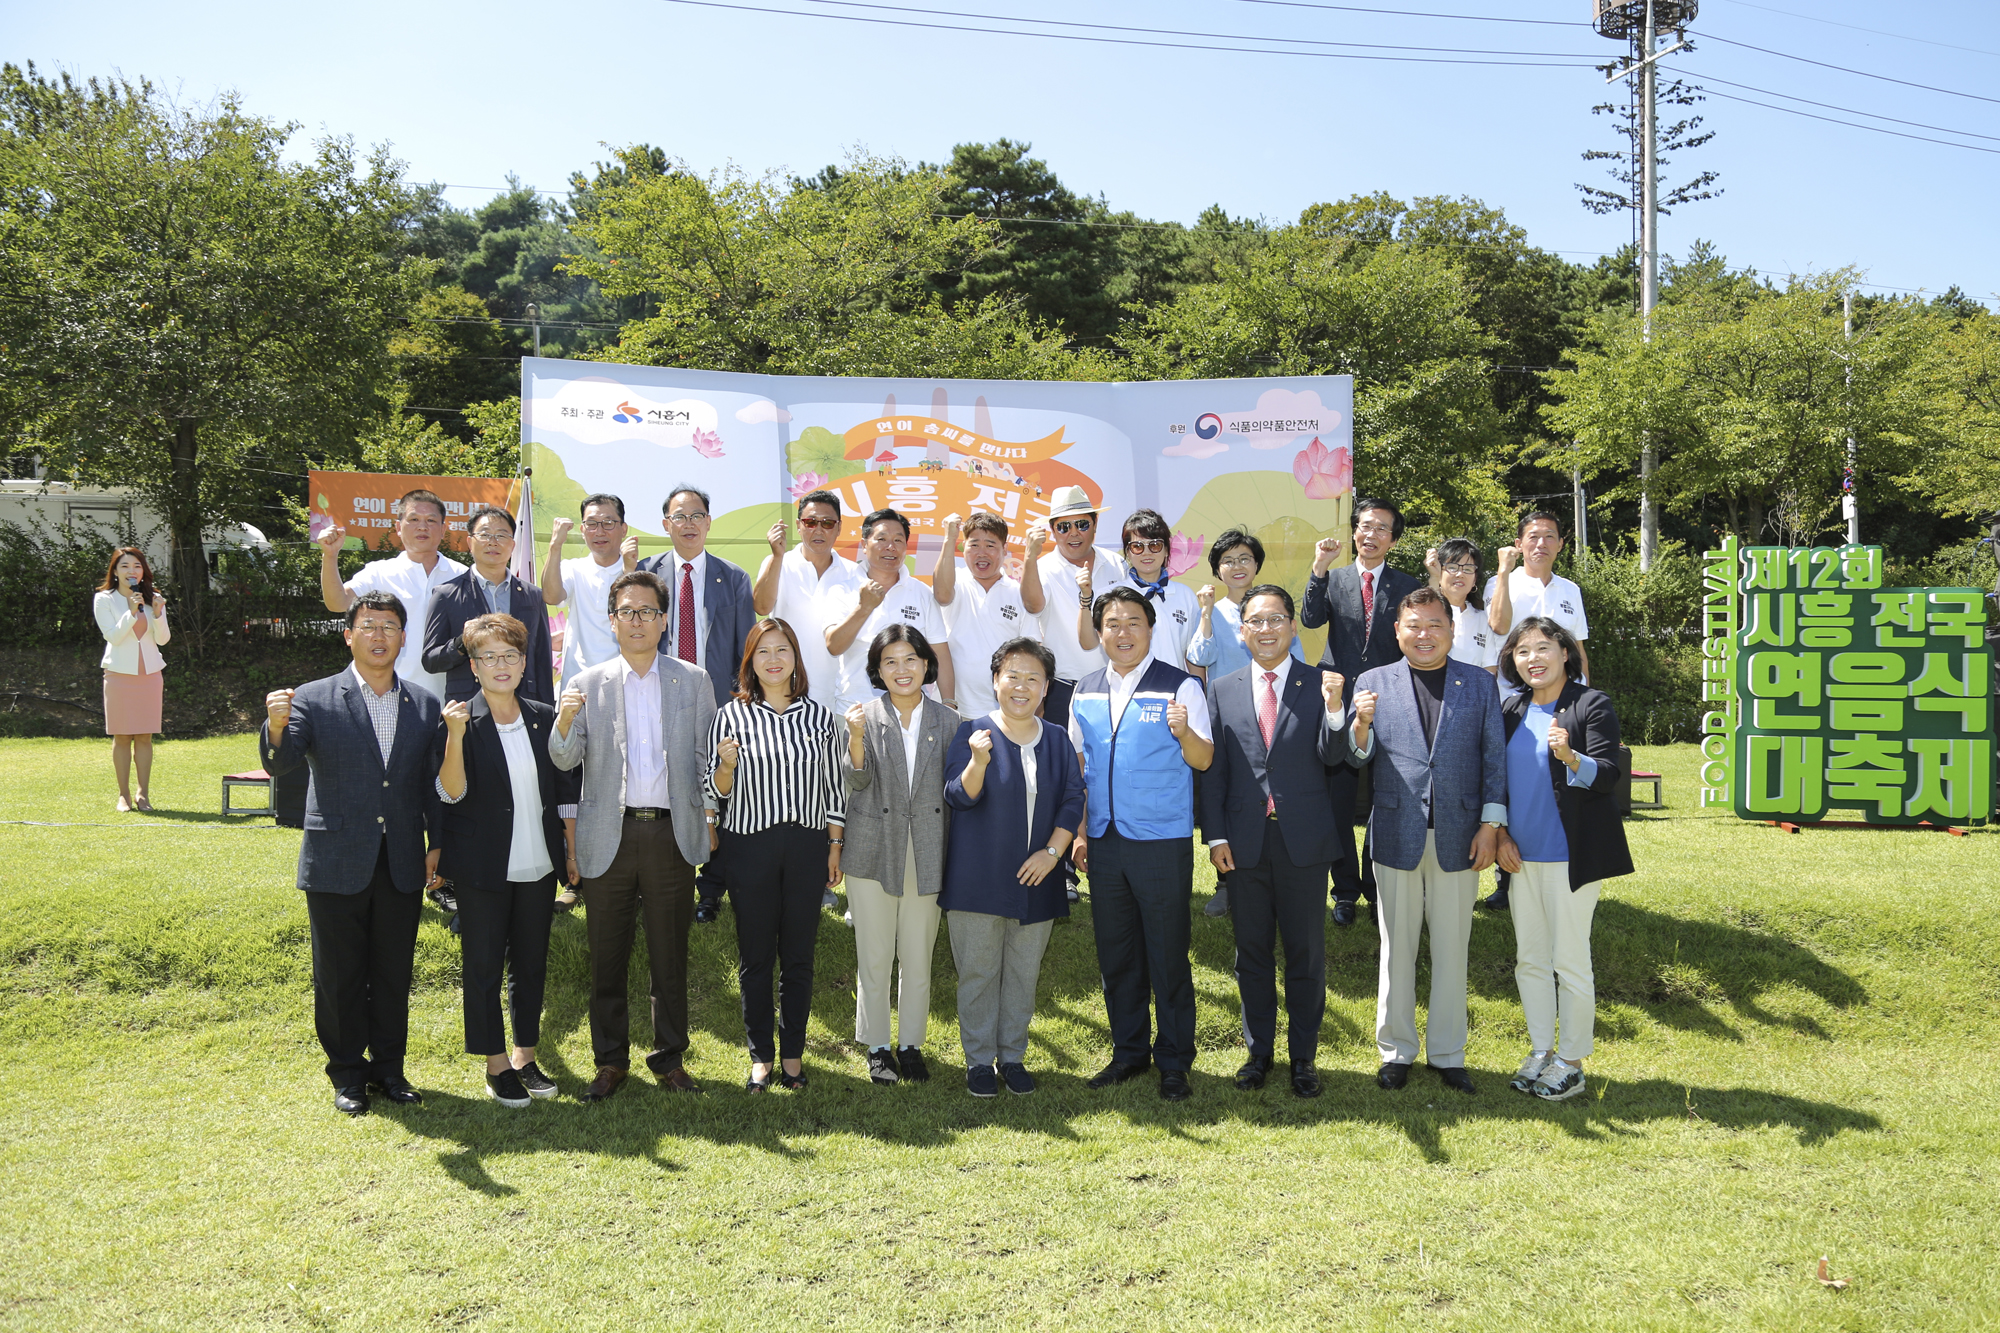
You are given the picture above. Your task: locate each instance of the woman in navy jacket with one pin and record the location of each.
(1017, 795)
(503, 842)
(1564, 837)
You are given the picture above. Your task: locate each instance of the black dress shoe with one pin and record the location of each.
(1174, 1086)
(1495, 901)
(397, 1089)
(1343, 914)
(1456, 1079)
(1305, 1080)
(1392, 1075)
(351, 1101)
(1251, 1076)
(707, 912)
(1116, 1072)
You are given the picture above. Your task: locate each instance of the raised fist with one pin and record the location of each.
(1038, 537)
(1325, 551)
(776, 538)
(1205, 596)
(1177, 721)
(1364, 707)
(456, 714)
(278, 707)
(1509, 556)
(561, 531)
(1559, 744)
(570, 705)
(628, 550)
(856, 719)
(872, 593)
(727, 751)
(981, 742)
(1431, 565)
(1331, 683)
(331, 537)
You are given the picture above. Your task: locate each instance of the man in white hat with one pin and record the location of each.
(1073, 574)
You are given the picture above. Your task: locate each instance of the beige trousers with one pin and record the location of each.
(1552, 956)
(892, 929)
(1404, 900)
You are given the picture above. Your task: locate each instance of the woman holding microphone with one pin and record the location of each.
(896, 825)
(132, 616)
(1563, 839)
(775, 769)
(501, 848)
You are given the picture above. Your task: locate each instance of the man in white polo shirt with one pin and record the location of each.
(886, 594)
(584, 581)
(806, 587)
(1072, 575)
(1535, 589)
(411, 577)
(985, 608)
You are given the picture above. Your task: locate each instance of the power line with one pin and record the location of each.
(1130, 41)
(1852, 111)
(1416, 13)
(1784, 55)
(1855, 27)
(1174, 32)
(1853, 124)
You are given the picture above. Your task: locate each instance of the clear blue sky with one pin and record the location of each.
(467, 93)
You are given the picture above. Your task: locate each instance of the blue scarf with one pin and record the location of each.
(1158, 589)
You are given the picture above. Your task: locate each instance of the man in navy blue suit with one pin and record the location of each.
(371, 806)
(488, 587)
(1265, 798)
(1430, 729)
(709, 615)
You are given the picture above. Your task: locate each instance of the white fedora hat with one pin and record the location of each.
(1070, 500)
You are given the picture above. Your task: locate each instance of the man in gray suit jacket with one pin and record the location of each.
(638, 724)
(709, 615)
(1431, 729)
(365, 737)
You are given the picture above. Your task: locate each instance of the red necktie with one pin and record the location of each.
(1368, 596)
(1267, 722)
(684, 636)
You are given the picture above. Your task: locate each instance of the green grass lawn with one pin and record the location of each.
(1795, 1056)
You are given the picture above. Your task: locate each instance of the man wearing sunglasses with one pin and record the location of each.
(1072, 575)
(809, 587)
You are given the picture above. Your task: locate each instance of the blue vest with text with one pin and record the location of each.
(1133, 772)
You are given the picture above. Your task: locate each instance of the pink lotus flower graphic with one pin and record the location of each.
(707, 443)
(1323, 472)
(1184, 552)
(806, 483)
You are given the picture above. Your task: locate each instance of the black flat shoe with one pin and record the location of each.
(1392, 1076)
(397, 1089)
(1455, 1079)
(351, 1101)
(1492, 902)
(1115, 1073)
(1305, 1080)
(1251, 1076)
(1174, 1086)
(757, 1085)
(792, 1082)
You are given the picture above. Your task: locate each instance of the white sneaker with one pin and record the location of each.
(1559, 1081)
(1530, 1070)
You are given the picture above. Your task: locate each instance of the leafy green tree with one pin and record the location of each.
(183, 305)
(1964, 476)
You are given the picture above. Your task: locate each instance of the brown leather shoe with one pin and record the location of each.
(609, 1077)
(677, 1080)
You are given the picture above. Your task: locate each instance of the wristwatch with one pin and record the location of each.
(1053, 852)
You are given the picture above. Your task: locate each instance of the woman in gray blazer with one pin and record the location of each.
(894, 859)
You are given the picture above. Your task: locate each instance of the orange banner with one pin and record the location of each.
(913, 432)
(364, 503)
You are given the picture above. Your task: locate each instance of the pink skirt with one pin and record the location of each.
(132, 702)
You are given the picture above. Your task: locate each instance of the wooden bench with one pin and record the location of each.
(1657, 803)
(259, 778)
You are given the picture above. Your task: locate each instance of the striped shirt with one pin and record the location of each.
(788, 766)
(382, 709)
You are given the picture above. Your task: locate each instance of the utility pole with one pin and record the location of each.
(535, 319)
(1639, 22)
(1578, 527)
(1850, 502)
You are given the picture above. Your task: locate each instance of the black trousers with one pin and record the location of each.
(364, 946)
(1353, 876)
(1140, 893)
(648, 884)
(1277, 899)
(776, 878)
(711, 880)
(504, 927)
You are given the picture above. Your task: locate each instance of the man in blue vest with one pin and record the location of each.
(1141, 730)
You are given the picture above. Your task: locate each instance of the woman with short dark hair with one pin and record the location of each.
(503, 842)
(1455, 571)
(894, 857)
(1564, 837)
(1235, 558)
(132, 616)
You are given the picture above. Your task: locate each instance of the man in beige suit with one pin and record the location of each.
(637, 724)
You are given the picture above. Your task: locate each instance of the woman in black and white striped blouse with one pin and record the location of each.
(775, 768)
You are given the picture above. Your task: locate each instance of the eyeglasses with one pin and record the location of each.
(696, 517)
(1069, 525)
(1268, 622)
(378, 627)
(1461, 569)
(1146, 546)
(603, 524)
(493, 535)
(645, 615)
(1375, 527)
(823, 524)
(1237, 562)
(507, 659)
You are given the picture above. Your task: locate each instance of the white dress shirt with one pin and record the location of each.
(589, 638)
(1030, 771)
(1073, 660)
(412, 585)
(808, 601)
(1559, 599)
(645, 745)
(528, 853)
(912, 733)
(1473, 641)
(1123, 687)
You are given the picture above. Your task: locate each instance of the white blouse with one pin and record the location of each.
(528, 856)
